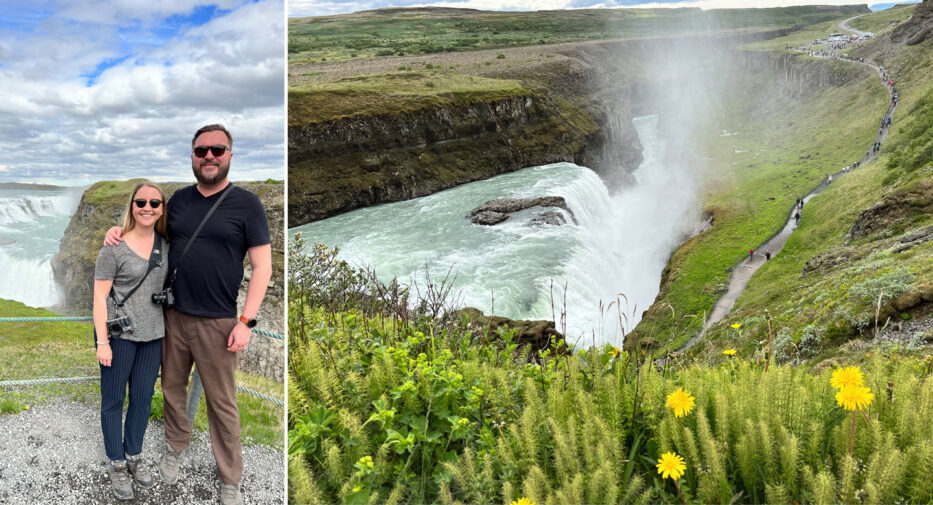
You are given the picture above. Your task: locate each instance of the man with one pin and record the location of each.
(203, 328)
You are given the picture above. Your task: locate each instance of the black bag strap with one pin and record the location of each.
(155, 259)
(198, 230)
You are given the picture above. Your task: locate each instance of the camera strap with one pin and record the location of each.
(197, 230)
(155, 259)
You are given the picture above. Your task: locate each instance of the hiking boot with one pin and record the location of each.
(171, 461)
(230, 494)
(120, 481)
(137, 468)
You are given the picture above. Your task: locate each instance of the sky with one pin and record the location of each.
(301, 8)
(115, 90)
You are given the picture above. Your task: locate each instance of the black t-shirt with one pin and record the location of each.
(210, 273)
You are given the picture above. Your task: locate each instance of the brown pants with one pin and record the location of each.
(203, 341)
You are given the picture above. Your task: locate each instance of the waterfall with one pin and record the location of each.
(616, 243)
(32, 222)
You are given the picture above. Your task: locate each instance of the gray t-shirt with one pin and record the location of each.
(125, 268)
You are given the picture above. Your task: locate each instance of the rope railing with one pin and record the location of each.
(89, 318)
(53, 380)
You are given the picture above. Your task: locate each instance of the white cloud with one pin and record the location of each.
(137, 117)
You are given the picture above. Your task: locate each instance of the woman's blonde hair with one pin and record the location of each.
(129, 222)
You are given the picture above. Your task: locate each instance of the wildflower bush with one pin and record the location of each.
(390, 409)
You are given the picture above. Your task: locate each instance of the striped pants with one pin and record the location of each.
(136, 364)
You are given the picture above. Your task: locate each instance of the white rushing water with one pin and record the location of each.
(32, 222)
(619, 243)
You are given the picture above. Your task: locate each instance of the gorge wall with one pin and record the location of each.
(102, 206)
(343, 164)
(574, 107)
(796, 75)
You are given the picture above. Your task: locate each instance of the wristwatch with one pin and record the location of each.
(249, 322)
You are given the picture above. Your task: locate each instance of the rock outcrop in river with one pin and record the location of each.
(498, 210)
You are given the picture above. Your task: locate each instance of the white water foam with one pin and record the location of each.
(30, 208)
(32, 222)
(28, 281)
(619, 244)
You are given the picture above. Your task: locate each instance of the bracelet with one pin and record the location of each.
(103, 343)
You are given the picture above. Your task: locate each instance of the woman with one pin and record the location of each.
(128, 328)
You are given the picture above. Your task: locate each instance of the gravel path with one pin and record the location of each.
(54, 454)
(744, 271)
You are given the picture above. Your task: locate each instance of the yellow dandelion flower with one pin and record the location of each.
(729, 352)
(671, 466)
(523, 501)
(736, 326)
(614, 352)
(849, 376)
(681, 402)
(854, 397)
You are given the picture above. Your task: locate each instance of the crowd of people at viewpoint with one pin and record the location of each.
(165, 291)
(831, 46)
(835, 43)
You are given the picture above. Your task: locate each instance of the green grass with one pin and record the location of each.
(798, 38)
(392, 412)
(874, 22)
(787, 151)
(393, 93)
(33, 350)
(432, 30)
(878, 22)
(823, 297)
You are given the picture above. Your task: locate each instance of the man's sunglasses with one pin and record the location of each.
(154, 203)
(217, 151)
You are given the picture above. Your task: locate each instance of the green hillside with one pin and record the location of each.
(387, 32)
(829, 298)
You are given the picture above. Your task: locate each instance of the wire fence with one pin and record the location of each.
(53, 380)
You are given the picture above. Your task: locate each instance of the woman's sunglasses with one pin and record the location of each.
(217, 151)
(154, 203)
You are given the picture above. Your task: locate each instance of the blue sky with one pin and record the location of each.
(114, 90)
(301, 8)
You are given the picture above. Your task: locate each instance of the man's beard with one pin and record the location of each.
(222, 169)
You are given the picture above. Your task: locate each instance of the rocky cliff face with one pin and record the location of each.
(918, 28)
(898, 210)
(343, 164)
(102, 206)
(798, 76)
(579, 110)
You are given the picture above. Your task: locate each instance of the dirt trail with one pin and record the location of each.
(744, 271)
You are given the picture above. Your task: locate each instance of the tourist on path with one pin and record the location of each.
(751, 255)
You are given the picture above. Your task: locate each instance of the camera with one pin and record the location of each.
(166, 298)
(119, 326)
